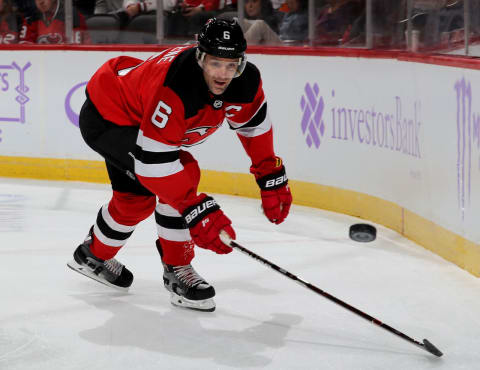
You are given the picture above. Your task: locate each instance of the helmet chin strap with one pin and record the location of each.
(200, 55)
(241, 66)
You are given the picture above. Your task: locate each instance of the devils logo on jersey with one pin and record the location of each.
(50, 38)
(198, 135)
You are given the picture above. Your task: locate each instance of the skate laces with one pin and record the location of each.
(188, 275)
(114, 266)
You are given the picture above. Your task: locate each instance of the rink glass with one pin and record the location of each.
(420, 26)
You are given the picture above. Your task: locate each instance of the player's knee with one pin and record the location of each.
(137, 206)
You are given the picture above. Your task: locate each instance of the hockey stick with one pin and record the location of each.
(426, 345)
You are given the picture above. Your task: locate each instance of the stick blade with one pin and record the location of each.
(431, 348)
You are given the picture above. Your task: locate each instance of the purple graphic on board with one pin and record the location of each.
(7, 72)
(312, 123)
(326, 120)
(71, 114)
(468, 138)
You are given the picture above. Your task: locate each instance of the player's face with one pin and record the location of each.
(44, 5)
(219, 72)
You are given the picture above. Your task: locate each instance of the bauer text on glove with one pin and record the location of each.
(206, 220)
(276, 196)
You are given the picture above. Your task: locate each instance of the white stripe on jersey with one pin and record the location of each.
(262, 128)
(150, 145)
(114, 225)
(105, 240)
(157, 169)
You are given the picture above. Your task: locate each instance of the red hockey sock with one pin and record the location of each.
(177, 253)
(103, 251)
(117, 221)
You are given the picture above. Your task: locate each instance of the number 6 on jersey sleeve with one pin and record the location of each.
(161, 114)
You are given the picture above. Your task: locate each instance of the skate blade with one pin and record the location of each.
(206, 305)
(86, 272)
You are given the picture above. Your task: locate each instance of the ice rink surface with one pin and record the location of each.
(53, 318)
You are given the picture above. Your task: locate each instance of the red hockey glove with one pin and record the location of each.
(276, 196)
(205, 221)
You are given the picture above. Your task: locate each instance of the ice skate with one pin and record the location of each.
(187, 288)
(109, 272)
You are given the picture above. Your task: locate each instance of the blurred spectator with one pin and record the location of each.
(259, 32)
(182, 17)
(107, 6)
(47, 25)
(389, 24)
(187, 17)
(438, 22)
(125, 10)
(475, 16)
(294, 25)
(337, 19)
(136, 7)
(10, 22)
(264, 25)
(260, 25)
(276, 4)
(85, 7)
(435, 23)
(452, 22)
(26, 8)
(133, 7)
(263, 9)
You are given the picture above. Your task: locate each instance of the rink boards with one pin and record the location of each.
(390, 140)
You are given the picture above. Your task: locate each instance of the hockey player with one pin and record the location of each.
(138, 115)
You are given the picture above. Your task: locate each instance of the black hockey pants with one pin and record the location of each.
(114, 143)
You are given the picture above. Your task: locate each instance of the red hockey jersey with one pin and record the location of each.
(51, 30)
(210, 4)
(168, 98)
(9, 25)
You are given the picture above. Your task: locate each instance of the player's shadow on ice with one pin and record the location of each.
(179, 332)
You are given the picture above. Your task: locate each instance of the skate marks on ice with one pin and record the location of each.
(12, 212)
(15, 343)
(23, 348)
(187, 334)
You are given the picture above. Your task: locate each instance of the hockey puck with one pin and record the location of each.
(363, 233)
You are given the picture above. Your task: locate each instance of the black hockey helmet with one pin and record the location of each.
(224, 39)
